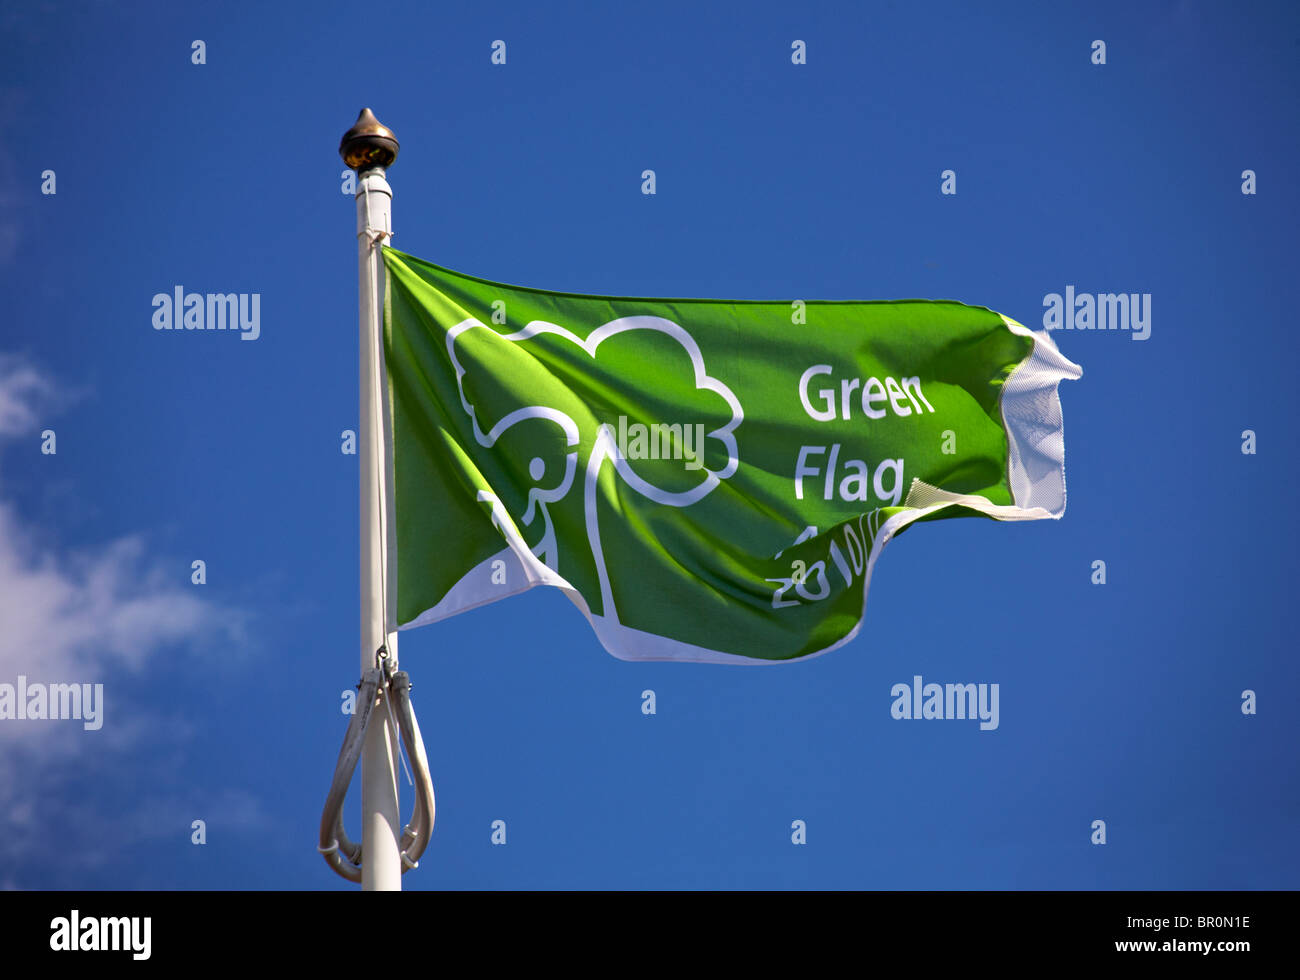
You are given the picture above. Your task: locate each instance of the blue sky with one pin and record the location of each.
(1118, 702)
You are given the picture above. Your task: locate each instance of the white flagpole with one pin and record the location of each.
(369, 148)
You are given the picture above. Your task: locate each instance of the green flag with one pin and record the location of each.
(707, 480)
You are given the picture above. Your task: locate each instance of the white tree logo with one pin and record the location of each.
(605, 446)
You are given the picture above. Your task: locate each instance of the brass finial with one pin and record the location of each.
(369, 143)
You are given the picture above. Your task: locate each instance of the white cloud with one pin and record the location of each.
(85, 615)
(74, 615)
(23, 392)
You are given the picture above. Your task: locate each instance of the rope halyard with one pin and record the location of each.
(341, 853)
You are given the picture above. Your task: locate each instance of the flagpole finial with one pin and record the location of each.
(368, 144)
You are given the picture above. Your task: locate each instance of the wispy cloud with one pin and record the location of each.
(24, 392)
(90, 614)
(73, 615)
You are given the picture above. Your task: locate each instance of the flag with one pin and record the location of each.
(706, 480)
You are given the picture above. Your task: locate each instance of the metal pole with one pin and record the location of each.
(369, 148)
